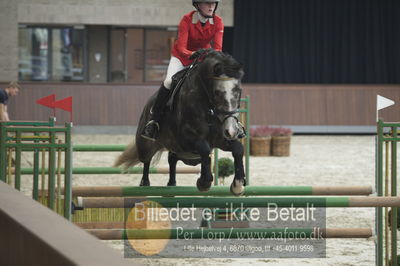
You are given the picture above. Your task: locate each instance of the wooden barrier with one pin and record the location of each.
(31, 234)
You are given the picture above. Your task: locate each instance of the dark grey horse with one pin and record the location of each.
(204, 116)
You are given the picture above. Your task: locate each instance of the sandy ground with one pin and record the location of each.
(314, 160)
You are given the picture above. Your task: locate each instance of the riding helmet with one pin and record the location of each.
(194, 3)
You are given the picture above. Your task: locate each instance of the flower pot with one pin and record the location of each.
(280, 145)
(260, 146)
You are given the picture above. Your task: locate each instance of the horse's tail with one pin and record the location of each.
(129, 157)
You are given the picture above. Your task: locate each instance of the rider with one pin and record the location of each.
(197, 30)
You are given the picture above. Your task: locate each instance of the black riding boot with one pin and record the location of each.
(151, 129)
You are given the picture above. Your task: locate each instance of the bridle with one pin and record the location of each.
(213, 111)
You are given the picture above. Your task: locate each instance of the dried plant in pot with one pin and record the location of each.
(280, 143)
(260, 141)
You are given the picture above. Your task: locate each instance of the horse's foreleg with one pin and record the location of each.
(145, 182)
(239, 181)
(206, 178)
(172, 160)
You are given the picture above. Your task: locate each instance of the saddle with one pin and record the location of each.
(180, 77)
(177, 81)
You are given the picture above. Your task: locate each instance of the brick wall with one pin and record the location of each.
(88, 12)
(8, 40)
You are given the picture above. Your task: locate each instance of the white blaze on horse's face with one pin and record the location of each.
(228, 93)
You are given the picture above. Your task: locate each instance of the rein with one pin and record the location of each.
(223, 79)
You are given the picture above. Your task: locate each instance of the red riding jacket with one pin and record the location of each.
(193, 36)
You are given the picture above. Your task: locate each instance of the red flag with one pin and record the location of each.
(47, 101)
(65, 104)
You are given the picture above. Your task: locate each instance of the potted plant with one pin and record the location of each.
(260, 141)
(225, 168)
(280, 143)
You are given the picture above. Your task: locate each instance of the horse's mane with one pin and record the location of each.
(218, 63)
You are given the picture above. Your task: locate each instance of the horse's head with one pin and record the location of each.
(225, 91)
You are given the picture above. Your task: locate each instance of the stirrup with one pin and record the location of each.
(151, 135)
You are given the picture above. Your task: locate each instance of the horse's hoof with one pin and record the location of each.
(237, 187)
(203, 186)
(144, 183)
(171, 184)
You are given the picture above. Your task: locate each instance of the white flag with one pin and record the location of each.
(382, 102)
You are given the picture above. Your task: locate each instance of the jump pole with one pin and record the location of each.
(230, 233)
(93, 227)
(115, 170)
(238, 202)
(100, 225)
(131, 191)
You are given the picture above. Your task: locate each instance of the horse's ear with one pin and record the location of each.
(218, 69)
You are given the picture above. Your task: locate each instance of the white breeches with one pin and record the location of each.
(174, 66)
